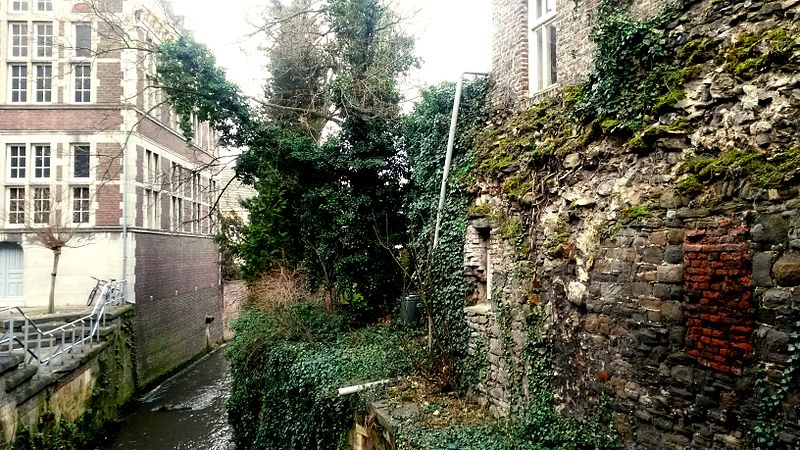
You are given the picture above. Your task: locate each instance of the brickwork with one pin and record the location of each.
(177, 288)
(109, 89)
(719, 309)
(62, 118)
(173, 141)
(109, 212)
(574, 49)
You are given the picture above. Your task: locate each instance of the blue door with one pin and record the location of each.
(10, 272)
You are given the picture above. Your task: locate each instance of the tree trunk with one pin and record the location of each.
(52, 305)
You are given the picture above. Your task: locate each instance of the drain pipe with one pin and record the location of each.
(125, 223)
(451, 140)
(360, 387)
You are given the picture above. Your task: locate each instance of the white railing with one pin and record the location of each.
(60, 341)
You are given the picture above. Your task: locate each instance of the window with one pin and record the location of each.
(19, 5)
(44, 5)
(177, 213)
(83, 83)
(80, 161)
(41, 205)
(153, 205)
(19, 83)
(44, 83)
(44, 40)
(83, 40)
(17, 162)
(18, 40)
(80, 205)
(151, 168)
(41, 161)
(543, 73)
(16, 205)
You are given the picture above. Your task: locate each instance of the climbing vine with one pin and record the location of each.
(286, 367)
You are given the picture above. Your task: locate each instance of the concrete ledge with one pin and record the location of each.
(479, 309)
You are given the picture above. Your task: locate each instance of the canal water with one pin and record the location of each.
(187, 412)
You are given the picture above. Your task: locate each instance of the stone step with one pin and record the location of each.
(9, 362)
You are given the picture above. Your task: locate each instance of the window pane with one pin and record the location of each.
(80, 164)
(16, 205)
(19, 5)
(44, 40)
(41, 161)
(41, 205)
(83, 40)
(17, 161)
(551, 34)
(44, 5)
(19, 39)
(80, 205)
(44, 83)
(19, 83)
(83, 83)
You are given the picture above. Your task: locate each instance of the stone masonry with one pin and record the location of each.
(679, 314)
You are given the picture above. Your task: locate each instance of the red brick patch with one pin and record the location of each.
(719, 308)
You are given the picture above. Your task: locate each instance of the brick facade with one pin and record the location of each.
(574, 49)
(175, 278)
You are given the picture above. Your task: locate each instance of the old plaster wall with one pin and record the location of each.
(672, 305)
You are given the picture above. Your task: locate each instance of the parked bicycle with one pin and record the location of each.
(106, 290)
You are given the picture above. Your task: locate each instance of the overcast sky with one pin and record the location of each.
(453, 36)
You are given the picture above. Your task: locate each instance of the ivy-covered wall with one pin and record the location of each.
(644, 230)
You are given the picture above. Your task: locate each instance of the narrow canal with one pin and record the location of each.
(188, 412)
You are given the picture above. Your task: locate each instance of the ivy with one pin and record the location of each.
(286, 366)
(770, 419)
(635, 75)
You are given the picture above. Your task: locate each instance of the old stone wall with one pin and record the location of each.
(678, 307)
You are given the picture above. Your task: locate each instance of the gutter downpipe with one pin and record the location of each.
(449, 157)
(125, 224)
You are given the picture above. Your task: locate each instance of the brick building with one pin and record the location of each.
(92, 151)
(541, 44)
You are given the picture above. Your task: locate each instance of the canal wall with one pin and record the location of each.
(49, 407)
(179, 306)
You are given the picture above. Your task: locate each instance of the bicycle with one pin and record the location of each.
(108, 289)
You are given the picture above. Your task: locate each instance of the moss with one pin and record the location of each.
(755, 167)
(608, 125)
(754, 53)
(515, 188)
(680, 124)
(637, 144)
(479, 210)
(637, 212)
(697, 51)
(689, 186)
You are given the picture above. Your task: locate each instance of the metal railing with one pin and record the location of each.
(60, 341)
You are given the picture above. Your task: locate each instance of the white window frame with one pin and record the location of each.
(44, 39)
(43, 92)
(541, 61)
(19, 5)
(82, 83)
(16, 206)
(42, 161)
(74, 160)
(42, 205)
(18, 40)
(44, 5)
(83, 215)
(10, 158)
(176, 213)
(81, 52)
(18, 83)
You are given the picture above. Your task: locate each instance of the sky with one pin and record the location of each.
(453, 36)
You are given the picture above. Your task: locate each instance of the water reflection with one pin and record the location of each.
(188, 413)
